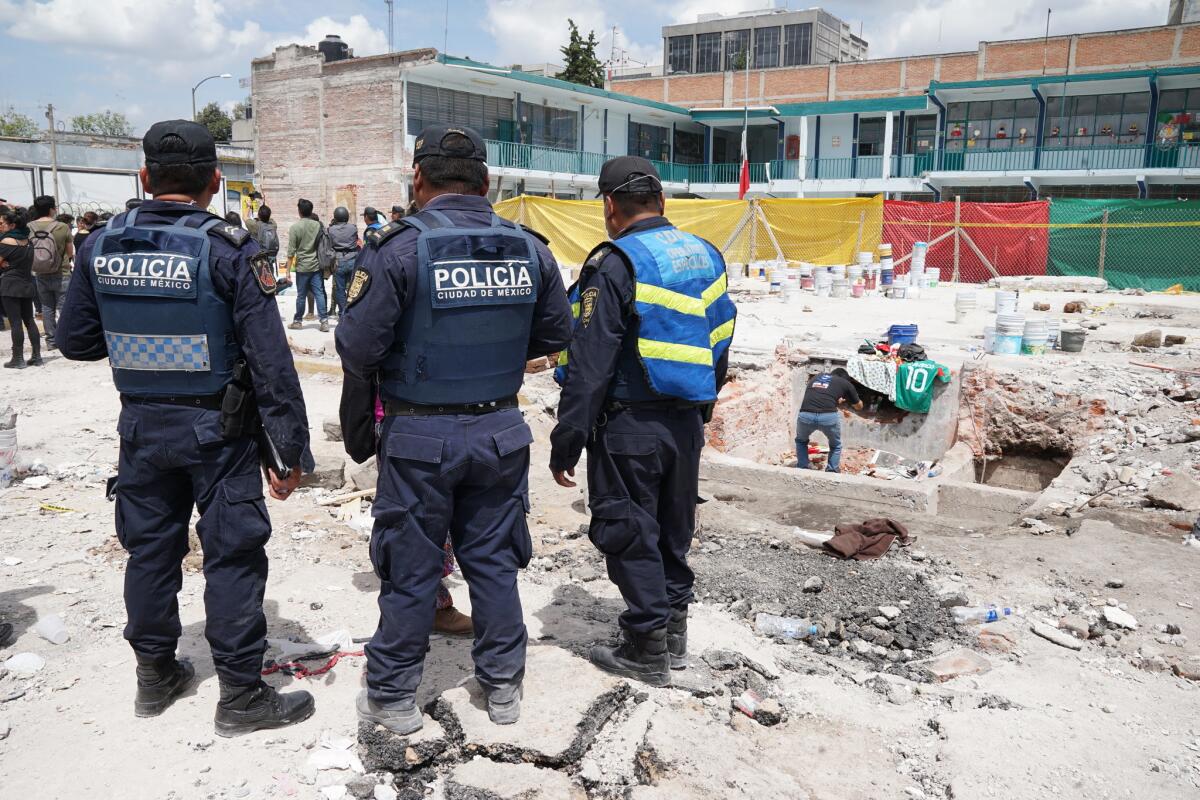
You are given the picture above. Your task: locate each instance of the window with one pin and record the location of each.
(797, 44)
(649, 141)
(870, 137)
(679, 53)
(737, 49)
(708, 52)
(1178, 117)
(689, 147)
(547, 126)
(992, 125)
(1098, 120)
(491, 116)
(766, 47)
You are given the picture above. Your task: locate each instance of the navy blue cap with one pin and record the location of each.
(630, 175)
(431, 141)
(201, 147)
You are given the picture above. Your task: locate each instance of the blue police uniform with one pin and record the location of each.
(173, 297)
(648, 355)
(446, 307)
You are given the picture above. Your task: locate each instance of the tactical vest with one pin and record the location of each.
(168, 331)
(684, 316)
(465, 337)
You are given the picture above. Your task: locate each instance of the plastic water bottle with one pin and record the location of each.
(786, 627)
(980, 615)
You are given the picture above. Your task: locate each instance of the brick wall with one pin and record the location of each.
(1113, 50)
(332, 134)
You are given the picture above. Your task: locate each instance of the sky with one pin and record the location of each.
(142, 57)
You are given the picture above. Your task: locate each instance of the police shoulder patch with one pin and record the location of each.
(377, 236)
(358, 286)
(233, 234)
(535, 234)
(263, 267)
(587, 304)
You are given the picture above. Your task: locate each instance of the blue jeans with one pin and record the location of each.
(310, 282)
(341, 280)
(829, 424)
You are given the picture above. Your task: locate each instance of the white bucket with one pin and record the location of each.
(1006, 302)
(1053, 327)
(989, 339)
(841, 288)
(866, 257)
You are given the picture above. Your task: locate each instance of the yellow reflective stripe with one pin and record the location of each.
(715, 290)
(656, 295)
(575, 310)
(562, 358)
(668, 351)
(721, 333)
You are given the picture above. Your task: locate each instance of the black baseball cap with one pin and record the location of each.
(397, 209)
(370, 211)
(629, 175)
(431, 141)
(201, 148)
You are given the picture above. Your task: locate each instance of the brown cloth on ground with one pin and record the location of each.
(869, 540)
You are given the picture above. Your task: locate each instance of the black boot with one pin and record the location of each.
(159, 682)
(677, 637)
(640, 656)
(244, 709)
(36, 355)
(16, 362)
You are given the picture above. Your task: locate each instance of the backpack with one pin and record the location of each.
(268, 238)
(46, 258)
(326, 257)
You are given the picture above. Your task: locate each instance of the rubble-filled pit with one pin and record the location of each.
(1024, 472)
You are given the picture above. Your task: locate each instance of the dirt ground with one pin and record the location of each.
(1108, 720)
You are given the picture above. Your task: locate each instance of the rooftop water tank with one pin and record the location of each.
(333, 48)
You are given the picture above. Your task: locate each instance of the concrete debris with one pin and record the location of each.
(25, 664)
(1178, 492)
(333, 430)
(1151, 338)
(329, 474)
(1121, 619)
(814, 584)
(722, 660)
(612, 760)
(956, 664)
(1052, 634)
(383, 750)
(889, 612)
(364, 476)
(481, 779)
(36, 482)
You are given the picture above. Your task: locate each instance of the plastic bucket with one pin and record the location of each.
(1007, 345)
(841, 288)
(886, 276)
(1072, 339)
(989, 339)
(866, 257)
(807, 282)
(1006, 302)
(858, 289)
(902, 334)
(897, 292)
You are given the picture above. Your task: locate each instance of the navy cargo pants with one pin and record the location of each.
(643, 474)
(172, 458)
(466, 476)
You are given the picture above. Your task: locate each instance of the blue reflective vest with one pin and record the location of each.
(465, 337)
(167, 330)
(685, 318)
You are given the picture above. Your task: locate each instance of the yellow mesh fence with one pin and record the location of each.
(823, 231)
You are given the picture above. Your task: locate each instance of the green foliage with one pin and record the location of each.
(219, 124)
(15, 124)
(582, 65)
(240, 109)
(104, 123)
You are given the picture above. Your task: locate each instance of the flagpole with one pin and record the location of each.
(744, 169)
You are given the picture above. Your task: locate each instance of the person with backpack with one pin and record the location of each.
(343, 236)
(264, 231)
(303, 239)
(17, 290)
(51, 267)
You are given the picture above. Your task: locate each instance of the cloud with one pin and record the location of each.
(533, 31)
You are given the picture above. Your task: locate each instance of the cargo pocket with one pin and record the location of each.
(413, 463)
(242, 521)
(510, 440)
(127, 429)
(635, 458)
(119, 519)
(208, 432)
(522, 541)
(411, 447)
(613, 527)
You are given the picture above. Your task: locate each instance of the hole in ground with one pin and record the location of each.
(1026, 472)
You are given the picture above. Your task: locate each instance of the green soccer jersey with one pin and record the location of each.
(914, 384)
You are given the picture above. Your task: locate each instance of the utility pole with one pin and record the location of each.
(53, 149)
(1046, 42)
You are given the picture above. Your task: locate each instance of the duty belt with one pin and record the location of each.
(210, 402)
(399, 409)
(617, 406)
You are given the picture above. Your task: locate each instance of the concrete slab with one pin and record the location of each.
(612, 760)
(919, 496)
(566, 702)
(981, 498)
(382, 750)
(481, 779)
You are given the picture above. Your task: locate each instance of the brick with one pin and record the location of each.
(696, 88)
(868, 76)
(918, 72)
(1124, 48)
(959, 68)
(1189, 45)
(647, 88)
(799, 81)
(1025, 57)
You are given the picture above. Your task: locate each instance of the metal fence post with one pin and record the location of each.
(1103, 241)
(957, 233)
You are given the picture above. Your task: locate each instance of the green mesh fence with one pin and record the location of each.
(1144, 244)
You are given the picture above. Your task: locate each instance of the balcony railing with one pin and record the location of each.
(1124, 157)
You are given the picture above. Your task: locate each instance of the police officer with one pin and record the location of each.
(175, 299)
(649, 353)
(444, 310)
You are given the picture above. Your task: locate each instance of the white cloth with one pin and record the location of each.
(873, 373)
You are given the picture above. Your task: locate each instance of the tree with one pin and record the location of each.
(582, 65)
(15, 124)
(217, 121)
(104, 123)
(241, 110)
